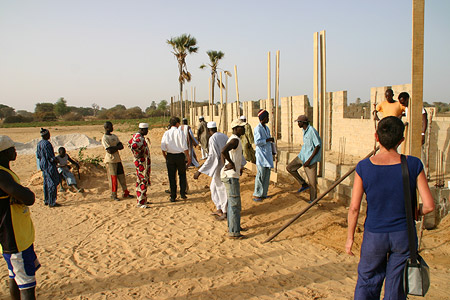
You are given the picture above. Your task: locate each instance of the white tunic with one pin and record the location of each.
(237, 157)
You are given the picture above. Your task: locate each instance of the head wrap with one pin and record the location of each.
(262, 114)
(143, 125)
(243, 118)
(5, 142)
(44, 131)
(201, 117)
(211, 124)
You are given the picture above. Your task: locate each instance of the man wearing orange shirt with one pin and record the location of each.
(389, 107)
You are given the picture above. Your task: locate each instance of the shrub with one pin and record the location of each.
(72, 116)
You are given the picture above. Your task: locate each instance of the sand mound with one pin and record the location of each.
(68, 141)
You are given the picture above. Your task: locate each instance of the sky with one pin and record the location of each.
(112, 52)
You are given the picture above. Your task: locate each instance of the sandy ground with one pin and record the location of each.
(96, 248)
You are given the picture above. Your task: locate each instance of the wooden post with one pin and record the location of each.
(237, 91)
(186, 102)
(323, 98)
(269, 93)
(416, 101)
(226, 105)
(316, 82)
(209, 99)
(221, 121)
(171, 106)
(277, 104)
(195, 113)
(191, 111)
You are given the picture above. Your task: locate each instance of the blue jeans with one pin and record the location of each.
(262, 181)
(234, 205)
(383, 255)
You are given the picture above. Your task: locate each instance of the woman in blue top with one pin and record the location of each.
(384, 249)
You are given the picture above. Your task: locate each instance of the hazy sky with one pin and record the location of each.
(115, 52)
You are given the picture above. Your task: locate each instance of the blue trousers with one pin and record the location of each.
(234, 205)
(50, 192)
(383, 256)
(262, 181)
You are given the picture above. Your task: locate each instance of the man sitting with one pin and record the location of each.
(63, 169)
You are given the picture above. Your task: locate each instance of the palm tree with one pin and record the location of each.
(182, 46)
(214, 57)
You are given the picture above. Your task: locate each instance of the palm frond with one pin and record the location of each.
(202, 66)
(228, 73)
(218, 84)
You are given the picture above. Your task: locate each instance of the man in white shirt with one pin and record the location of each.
(212, 167)
(232, 153)
(175, 150)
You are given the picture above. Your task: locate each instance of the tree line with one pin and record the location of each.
(47, 111)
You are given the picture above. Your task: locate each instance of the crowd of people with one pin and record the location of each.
(385, 243)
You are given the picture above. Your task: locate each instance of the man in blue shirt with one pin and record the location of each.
(309, 155)
(264, 156)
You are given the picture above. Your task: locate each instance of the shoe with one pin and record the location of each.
(45, 203)
(302, 189)
(173, 200)
(244, 229)
(54, 205)
(115, 198)
(142, 206)
(310, 201)
(266, 197)
(184, 198)
(222, 217)
(237, 237)
(129, 196)
(257, 199)
(80, 191)
(167, 191)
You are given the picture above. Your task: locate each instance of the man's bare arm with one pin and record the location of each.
(20, 193)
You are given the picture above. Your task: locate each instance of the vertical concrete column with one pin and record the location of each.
(323, 95)
(284, 119)
(316, 82)
(416, 101)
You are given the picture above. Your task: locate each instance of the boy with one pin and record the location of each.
(63, 169)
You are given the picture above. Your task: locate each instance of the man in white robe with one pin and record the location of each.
(212, 167)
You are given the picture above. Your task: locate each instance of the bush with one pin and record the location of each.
(17, 119)
(72, 116)
(45, 116)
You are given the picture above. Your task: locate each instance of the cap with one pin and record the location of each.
(211, 124)
(237, 123)
(201, 117)
(301, 118)
(5, 142)
(243, 118)
(143, 125)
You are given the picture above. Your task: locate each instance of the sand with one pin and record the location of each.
(96, 248)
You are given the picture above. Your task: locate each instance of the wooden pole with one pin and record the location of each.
(316, 82)
(323, 96)
(221, 104)
(277, 104)
(191, 111)
(171, 106)
(186, 103)
(269, 97)
(317, 199)
(237, 91)
(209, 99)
(195, 112)
(416, 102)
(226, 105)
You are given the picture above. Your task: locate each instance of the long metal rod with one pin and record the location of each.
(317, 199)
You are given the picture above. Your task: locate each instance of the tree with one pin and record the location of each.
(60, 108)
(162, 105)
(6, 111)
(43, 107)
(214, 57)
(95, 107)
(182, 46)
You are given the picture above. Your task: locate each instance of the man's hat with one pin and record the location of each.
(237, 122)
(5, 142)
(211, 124)
(143, 125)
(301, 118)
(44, 131)
(243, 118)
(201, 117)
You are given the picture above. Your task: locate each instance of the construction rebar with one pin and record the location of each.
(318, 198)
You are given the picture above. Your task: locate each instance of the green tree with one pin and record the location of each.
(43, 107)
(6, 111)
(162, 105)
(60, 108)
(182, 46)
(214, 57)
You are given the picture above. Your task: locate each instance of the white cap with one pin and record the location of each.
(5, 142)
(243, 118)
(143, 125)
(237, 123)
(201, 117)
(211, 124)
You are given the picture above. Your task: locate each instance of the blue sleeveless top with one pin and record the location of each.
(383, 186)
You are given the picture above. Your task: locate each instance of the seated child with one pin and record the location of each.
(63, 169)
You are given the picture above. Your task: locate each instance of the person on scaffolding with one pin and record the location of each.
(309, 156)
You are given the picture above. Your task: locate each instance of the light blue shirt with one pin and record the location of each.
(264, 156)
(311, 140)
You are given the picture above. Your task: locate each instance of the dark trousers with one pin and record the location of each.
(174, 163)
